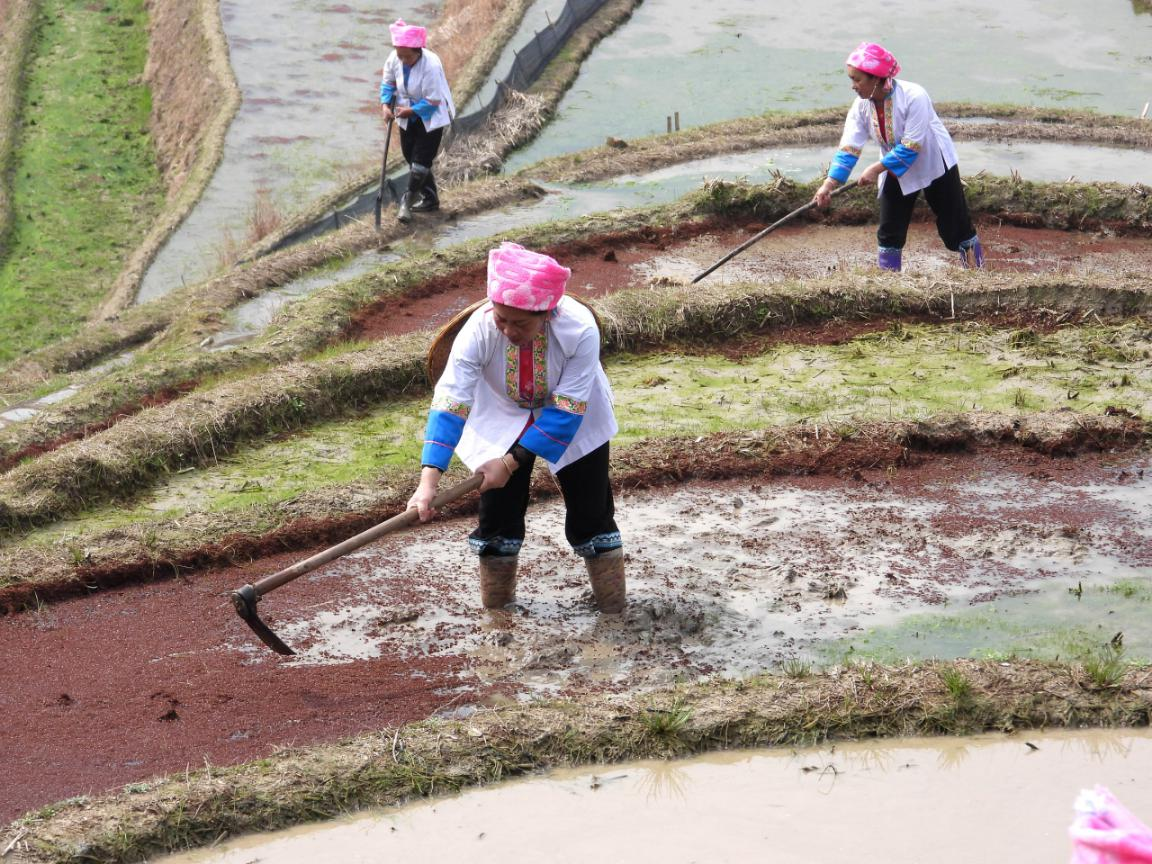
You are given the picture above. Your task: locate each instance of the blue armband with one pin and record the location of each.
(552, 432)
(441, 436)
(899, 159)
(842, 164)
(424, 109)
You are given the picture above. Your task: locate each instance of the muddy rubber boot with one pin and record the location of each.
(497, 580)
(888, 258)
(972, 253)
(429, 197)
(428, 203)
(404, 212)
(417, 177)
(606, 571)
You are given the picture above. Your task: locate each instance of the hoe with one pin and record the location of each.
(385, 180)
(769, 230)
(246, 598)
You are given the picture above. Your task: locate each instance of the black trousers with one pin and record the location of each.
(420, 147)
(945, 195)
(590, 509)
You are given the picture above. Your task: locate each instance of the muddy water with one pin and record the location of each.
(1033, 161)
(309, 74)
(32, 408)
(249, 319)
(715, 571)
(681, 56)
(986, 798)
(734, 579)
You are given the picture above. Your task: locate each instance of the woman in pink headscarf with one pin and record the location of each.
(415, 90)
(916, 154)
(524, 380)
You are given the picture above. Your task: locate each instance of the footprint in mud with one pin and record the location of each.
(661, 621)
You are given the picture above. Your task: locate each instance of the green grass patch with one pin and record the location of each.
(905, 372)
(1054, 624)
(84, 184)
(331, 454)
(1138, 590)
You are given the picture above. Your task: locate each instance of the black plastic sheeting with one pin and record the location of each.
(530, 61)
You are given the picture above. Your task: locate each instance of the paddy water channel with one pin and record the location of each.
(281, 144)
(1032, 161)
(947, 800)
(308, 72)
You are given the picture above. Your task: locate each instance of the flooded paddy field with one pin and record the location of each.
(1007, 555)
(728, 806)
(1022, 52)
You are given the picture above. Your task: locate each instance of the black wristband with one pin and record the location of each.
(521, 454)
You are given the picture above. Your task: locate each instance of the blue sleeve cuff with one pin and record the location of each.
(424, 109)
(842, 165)
(899, 159)
(441, 436)
(552, 432)
(387, 92)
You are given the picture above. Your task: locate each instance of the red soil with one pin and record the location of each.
(611, 263)
(125, 684)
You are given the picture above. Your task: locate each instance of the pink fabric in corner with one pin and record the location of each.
(407, 35)
(524, 279)
(873, 59)
(1105, 831)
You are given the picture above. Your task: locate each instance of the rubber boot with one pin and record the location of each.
(972, 253)
(404, 212)
(606, 571)
(497, 580)
(417, 179)
(888, 258)
(429, 197)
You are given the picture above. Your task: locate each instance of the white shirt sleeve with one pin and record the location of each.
(857, 128)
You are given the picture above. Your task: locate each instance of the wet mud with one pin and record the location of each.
(726, 579)
(802, 251)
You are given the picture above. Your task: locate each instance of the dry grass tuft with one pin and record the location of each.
(483, 151)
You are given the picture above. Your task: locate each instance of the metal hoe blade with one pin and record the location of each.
(245, 599)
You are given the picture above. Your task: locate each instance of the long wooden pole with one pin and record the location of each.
(769, 230)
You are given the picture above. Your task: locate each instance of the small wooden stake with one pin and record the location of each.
(677, 121)
(669, 124)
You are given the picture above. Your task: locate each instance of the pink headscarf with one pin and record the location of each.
(524, 279)
(873, 59)
(1105, 831)
(408, 35)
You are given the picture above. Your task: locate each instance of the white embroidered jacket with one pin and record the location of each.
(481, 382)
(426, 80)
(909, 119)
